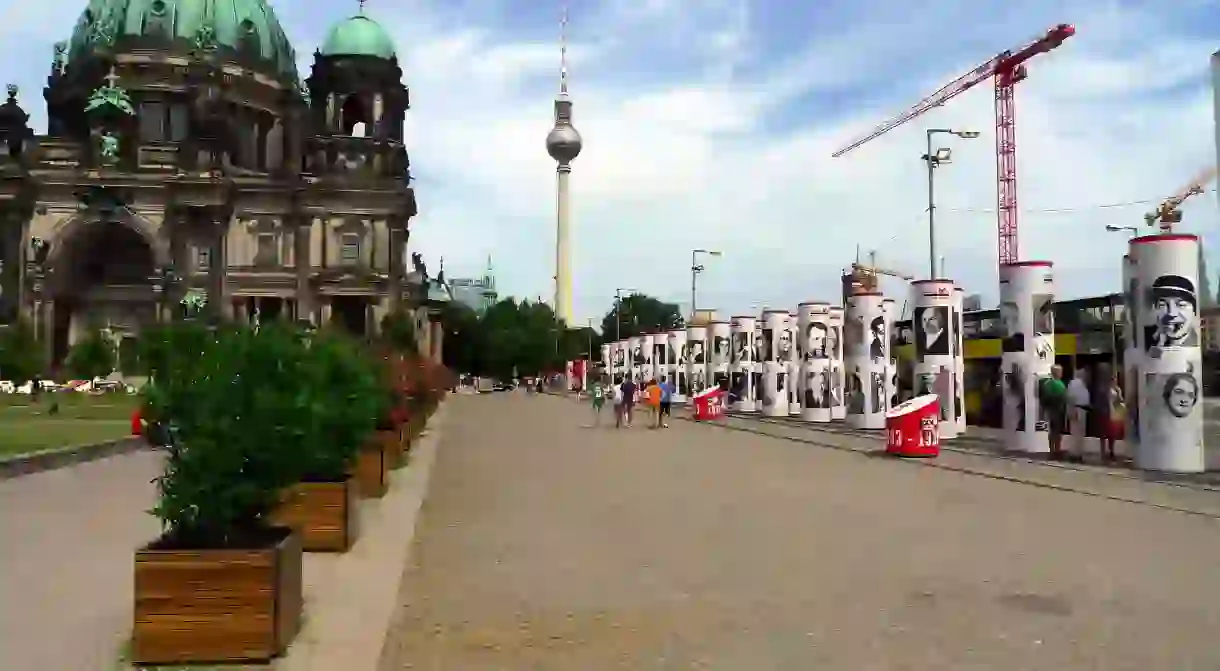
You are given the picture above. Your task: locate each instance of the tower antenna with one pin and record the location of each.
(361, 6)
(563, 49)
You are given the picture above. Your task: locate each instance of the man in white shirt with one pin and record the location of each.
(1078, 403)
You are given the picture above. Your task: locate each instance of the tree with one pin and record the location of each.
(22, 356)
(463, 339)
(92, 357)
(640, 313)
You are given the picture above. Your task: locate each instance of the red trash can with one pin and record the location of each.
(913, 428)
(709, 404)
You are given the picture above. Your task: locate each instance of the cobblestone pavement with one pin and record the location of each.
(545, 544)
(67, 539)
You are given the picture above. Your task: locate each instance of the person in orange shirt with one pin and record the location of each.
(653, 394)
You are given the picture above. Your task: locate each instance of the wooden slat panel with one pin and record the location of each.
(318, 512)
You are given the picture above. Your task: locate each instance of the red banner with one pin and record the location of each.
(709, 404)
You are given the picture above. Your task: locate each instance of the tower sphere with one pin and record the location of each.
(563, 143)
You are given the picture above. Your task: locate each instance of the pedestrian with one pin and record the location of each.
(1053, 396)
(620, 406)
(667, 394)
(598, 393)
(653, 394)
(1115, 418)
(1079, 404)
(629, 398)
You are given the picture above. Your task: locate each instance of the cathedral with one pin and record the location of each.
(187, 165)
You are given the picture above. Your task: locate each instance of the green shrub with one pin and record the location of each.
(22, 356)
(94, 356)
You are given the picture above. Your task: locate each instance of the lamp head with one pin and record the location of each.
(967, 134)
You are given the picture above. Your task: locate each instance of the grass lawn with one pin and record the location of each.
(26, 426)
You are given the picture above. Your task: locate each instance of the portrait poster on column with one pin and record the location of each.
(957, 329)
(696, 352)
(765, 351)
(698, 380)
(784, 345)
(737, 385)
(1174, 318)
(815, 340)
(742, 352)
(853, 334)
(1176, 399)
(1042, 306)
(931, 330)
(757, 376)
(1013, 338)
(720, 346)
(877, 390)
(817, 389)
(855, 392)
(877, 345)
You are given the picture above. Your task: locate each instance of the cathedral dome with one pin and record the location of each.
(233, 24)
(358, 36)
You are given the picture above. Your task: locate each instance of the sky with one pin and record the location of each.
(711, 123)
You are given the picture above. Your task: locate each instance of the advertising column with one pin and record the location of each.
(935, 363)
(678, 364)
(813, 324)
(635, 359)
(741, 381)
(834, 352)
(756, 384)
(793, 366)
(647, 371)
(776, 348)
(889, 310)
(719, 354)
(1132, 353)
(696, 358)
(865, 361)
(959, 355)
(660, 355)
(606, 360)
(1027, 316)
(1167, 324)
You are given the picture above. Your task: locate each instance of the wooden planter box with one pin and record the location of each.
(372, 470)
(212, 606)
(392, 443)
(324, 515)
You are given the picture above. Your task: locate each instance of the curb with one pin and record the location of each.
(350, 618)
(49, 460)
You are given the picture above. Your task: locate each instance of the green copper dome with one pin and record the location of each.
(358, 36)
(224, 23)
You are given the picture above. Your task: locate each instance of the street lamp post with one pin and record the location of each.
(941, 156)
(695, 269)
(1134, 231)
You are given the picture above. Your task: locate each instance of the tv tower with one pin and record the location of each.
(563, 144)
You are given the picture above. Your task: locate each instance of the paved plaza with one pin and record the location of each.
(546, 544)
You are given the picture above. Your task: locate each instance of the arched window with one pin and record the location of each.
(354, 117)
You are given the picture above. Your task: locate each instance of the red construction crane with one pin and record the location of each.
(1008, 68)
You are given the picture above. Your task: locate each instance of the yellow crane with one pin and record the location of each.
(864, 277)
(1167, 213)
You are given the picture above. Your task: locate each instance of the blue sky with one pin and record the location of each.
(711, 124)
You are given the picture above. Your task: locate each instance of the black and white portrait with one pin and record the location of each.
(698, 380)
(1043, 308)
(783, 345)
(720, 380)
(756, 387)
(1013, 390)
(815, 340)
(1174, 318)
(836, 386)
(855, 393)
(695, 348)
(683, 388)
(720, 349)
(1013, 340)
(1179, 392)
(877, 391)
(1177, 396)
(956, 316)
(618, 358)
(834, 343)
(932, 330)
(765, 348)
(742, 351)
(637, 355)
(877, 339)
(677, 353)
(817, 389)
(659, 350)
(737, 386)
(762, 347)
(853, 335)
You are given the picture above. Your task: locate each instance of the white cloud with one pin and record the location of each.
(711, 125)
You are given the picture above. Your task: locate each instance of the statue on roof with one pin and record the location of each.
(110, 96)
(205, 38)
(108, 146)
(101, 34)
(59, 62)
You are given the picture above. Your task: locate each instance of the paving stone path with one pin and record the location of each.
(546, 544)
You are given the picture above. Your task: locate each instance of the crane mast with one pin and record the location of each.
(1008, 69)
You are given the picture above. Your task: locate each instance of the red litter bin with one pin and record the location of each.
(709, 404)
(913, 428)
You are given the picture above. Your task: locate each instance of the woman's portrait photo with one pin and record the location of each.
(1180, 392)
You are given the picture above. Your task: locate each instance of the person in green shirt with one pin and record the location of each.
(1052, 394)
(597, 392)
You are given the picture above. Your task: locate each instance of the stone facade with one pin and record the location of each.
(174, 166)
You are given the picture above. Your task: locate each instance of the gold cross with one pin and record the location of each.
(112, 79)
(361, 6)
